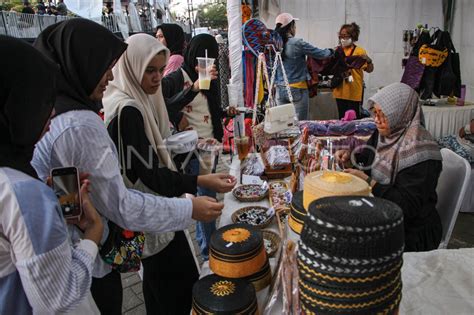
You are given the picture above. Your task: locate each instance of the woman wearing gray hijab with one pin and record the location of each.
(403, 164)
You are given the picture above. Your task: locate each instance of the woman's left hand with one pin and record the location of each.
(212, 72)
(366, 58)
(357, 173)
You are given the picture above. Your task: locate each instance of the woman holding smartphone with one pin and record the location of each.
(41, 272)
(78, 137)
(136, 117)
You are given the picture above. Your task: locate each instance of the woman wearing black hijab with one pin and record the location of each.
(180, 88)
(86, 53)
(172, 36)
(41, 273)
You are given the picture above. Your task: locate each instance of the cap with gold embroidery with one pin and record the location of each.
(218, 295)
(237, 251)
(350, 256)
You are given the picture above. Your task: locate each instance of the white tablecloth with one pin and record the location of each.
(436, 282)
(443, 119)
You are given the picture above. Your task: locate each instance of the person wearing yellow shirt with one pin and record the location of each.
(349, 94)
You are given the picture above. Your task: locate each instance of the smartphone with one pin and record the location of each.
(66, 186)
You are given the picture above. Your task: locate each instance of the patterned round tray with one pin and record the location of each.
(271, 241)
(253, 215)
(249, 193)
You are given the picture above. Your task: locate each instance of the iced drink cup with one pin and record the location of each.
(205, 65)
(242, 144)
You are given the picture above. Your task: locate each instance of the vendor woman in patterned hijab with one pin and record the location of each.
(403, 164)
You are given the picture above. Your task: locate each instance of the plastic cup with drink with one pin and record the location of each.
(242, 143)
(205, 66)
(243, 146)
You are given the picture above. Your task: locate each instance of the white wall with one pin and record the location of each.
(381, 22)
(463, 38)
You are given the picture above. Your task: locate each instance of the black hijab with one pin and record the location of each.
(27, 94)
(197, 48)
(84, 51)
(174, 36)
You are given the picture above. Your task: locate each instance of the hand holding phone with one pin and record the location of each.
(75, 204)
(66, 186)
(90, 222)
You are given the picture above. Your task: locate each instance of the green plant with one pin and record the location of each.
(213, 15)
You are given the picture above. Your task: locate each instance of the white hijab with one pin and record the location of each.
(125, 90)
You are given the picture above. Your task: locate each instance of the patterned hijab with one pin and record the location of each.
(409, 143)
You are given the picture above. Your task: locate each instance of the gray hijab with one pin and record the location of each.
(409, 143)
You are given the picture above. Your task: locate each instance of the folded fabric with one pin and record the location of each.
(350, 115)
(339, 128)
(336, 65)
(462, 147)
(342, 129)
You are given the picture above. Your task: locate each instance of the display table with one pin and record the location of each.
(444, 119)
(436, 282)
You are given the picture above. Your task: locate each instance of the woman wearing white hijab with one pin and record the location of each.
(136, 116)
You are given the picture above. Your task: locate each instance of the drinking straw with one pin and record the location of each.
(238, 130)
(206, 53)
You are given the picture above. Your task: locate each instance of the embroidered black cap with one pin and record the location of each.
(350, 256)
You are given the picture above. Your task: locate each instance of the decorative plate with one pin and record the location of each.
(250, 193)
(254, 215)
(271, 241)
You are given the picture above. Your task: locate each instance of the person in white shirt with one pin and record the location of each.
(86, 53)
(39, 271)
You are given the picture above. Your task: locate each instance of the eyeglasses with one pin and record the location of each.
(344, 36)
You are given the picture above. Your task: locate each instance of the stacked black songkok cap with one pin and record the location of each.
(350, 256)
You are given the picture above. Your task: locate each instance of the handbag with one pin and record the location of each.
(413, 73)
(432, 57)
(281, 117)
(123, 248)
(448, 77)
